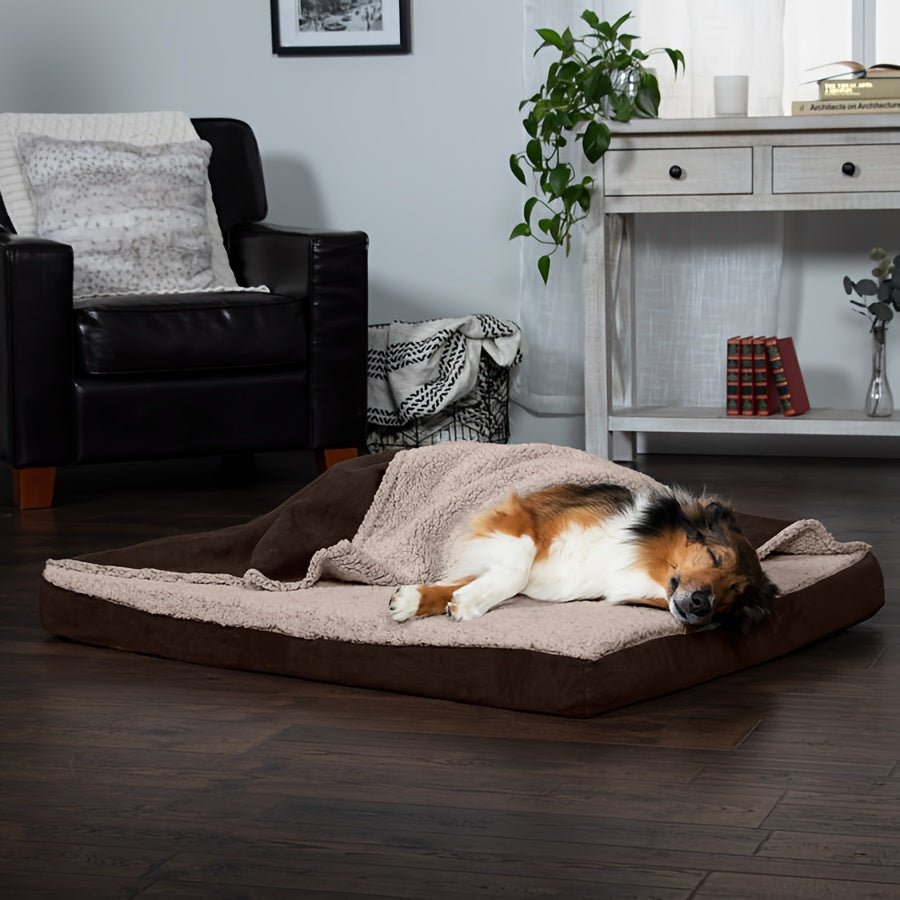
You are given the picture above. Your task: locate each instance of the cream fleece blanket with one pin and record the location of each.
(425, 496)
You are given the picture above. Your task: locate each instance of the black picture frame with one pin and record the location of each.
(334, 27)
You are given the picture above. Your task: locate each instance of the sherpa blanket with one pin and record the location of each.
(418, 369)
(422, 498)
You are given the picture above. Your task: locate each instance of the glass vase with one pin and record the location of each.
(879, 400)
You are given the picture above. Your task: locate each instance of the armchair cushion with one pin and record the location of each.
(176, 333)
(134, 216)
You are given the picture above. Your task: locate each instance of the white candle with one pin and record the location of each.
(731, 94)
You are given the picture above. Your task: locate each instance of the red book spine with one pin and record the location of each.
(762, 380)
(733, 377)
(787, 376)
(748, 407)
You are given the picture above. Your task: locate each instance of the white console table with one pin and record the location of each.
(711, 165)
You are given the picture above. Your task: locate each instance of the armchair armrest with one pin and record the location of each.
(330, 271)
(36, 386)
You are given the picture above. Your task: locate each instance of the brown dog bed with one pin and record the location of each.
(303, 591)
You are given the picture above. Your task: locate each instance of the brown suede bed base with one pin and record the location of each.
(514, 679)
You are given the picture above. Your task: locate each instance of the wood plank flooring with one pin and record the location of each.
(126, 776)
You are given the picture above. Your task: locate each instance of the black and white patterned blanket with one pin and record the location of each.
(417, 369)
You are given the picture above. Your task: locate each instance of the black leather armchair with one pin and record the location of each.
(124, 378)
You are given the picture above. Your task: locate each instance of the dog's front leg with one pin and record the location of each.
(483, 594)
(415, 601)
(504, 562)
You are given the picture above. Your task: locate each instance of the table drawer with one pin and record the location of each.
(727, 170)
(813, 170)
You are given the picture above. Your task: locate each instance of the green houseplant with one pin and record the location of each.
(597, 76)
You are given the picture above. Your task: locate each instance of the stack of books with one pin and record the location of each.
(763, 377)
(857, 90)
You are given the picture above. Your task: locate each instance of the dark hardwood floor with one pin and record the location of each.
(127, 776)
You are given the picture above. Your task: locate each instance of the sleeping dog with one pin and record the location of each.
(570, 542)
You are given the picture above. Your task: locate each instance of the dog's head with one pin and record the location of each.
(714, 576)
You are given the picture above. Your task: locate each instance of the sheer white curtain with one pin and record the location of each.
(681, 263)
(551, 377)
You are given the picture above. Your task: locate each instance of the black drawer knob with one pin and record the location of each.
(848, 168)
(676, 172)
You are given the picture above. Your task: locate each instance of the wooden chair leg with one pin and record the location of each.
(33, 488)
(325, 459)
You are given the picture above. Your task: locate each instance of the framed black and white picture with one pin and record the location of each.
(315, 27)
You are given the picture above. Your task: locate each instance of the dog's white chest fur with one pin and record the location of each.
(590, 563)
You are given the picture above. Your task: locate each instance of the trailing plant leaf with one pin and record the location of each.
(675, 56)
(597, 76)
(517, 168)
(543, 264)
(551, 38)
(595, 141)
(647, 98)
(559, 179)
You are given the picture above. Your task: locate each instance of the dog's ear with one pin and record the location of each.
(754, 605)
(667, 512)
(717, 512)
(698, 516)
(693, 533)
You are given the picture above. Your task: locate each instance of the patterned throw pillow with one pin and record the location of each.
(134, 215)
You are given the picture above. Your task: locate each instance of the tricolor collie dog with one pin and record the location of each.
(570, 542)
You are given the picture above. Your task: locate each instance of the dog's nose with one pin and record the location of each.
(701, 602)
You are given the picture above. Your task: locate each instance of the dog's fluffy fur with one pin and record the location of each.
(670, 550)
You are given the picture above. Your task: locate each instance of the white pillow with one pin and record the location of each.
(135, 216)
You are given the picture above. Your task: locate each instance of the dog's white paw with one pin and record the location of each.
(463, 610)
(404, 604)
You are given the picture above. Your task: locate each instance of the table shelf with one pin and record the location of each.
(700, 420)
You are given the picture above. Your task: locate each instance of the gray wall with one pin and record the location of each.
(410, 148)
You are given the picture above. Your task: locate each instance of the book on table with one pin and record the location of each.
(763, 377)
(748, 404)
(788, 378)
(851, 87)
(733, 377)
(885, 88)
(848, 106)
